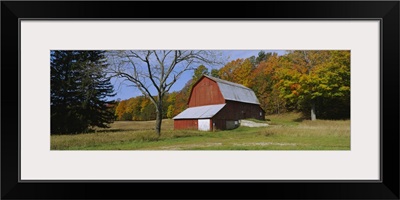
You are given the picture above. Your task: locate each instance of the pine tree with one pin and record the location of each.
(79, 88)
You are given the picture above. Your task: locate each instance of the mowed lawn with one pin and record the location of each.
(286, 132)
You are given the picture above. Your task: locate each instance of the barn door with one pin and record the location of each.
(204, 124)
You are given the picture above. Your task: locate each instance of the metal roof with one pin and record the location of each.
(200, 112)
(235, 92)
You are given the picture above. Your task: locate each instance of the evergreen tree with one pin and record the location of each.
(79, 87)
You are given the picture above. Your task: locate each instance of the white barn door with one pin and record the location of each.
(204, 124)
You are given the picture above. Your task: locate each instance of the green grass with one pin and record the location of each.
(286, 132)
(286, 119)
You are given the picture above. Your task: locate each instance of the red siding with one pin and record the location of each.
(205, 92)
(185, 124)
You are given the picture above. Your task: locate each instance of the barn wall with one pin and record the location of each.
(237, 110)
(220, 124)
(206, 92)
(185, 124)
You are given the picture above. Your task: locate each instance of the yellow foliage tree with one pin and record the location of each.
(237, 71)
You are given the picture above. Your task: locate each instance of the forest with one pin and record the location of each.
(315, 83)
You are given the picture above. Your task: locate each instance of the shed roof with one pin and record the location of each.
(235, 92)
(200, 112)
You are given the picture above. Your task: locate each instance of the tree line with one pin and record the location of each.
(316, 83)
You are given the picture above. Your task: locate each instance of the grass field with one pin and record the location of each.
(286, 132)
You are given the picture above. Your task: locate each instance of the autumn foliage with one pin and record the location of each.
(295, 81)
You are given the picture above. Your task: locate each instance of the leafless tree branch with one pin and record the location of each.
(163, 68)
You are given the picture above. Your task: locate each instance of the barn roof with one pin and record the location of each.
(235, 92)
(200, 112)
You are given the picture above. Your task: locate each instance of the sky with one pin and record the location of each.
(124, 91)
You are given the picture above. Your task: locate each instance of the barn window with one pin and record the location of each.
(260, 114)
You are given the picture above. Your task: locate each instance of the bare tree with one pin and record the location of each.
(157, 70)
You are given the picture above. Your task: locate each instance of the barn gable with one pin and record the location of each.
(205, 92)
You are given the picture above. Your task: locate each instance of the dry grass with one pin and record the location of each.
(120, 132)
(307, 128)
(294, 124)
(138, 125)
(286, 132)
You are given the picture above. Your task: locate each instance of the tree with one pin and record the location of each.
(170, 112)
(171, 104)
(263, 84)
(198, 73)
(215, 73)
(121, 109)
(182, 97)
(154, 72)
(313, 78)
(227, 71)
(79, 88)
(334, 85)
(262, 56)
(237, 71)
(147, 111)
(242, 74)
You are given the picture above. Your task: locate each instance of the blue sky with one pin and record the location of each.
(124, 91)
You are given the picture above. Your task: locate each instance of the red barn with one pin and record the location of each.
(218, 104)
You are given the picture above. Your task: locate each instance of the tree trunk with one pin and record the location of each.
(159, 115)
(313, 115)
(278, 108)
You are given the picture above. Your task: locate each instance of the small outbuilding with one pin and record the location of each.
(218, 104)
